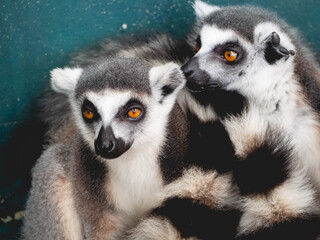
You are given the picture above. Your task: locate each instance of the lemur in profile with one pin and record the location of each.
(110, 161)
(254, 74)
(252, 106)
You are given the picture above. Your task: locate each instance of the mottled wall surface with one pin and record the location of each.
(38, 35)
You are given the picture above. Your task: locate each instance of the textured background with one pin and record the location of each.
(37, 36)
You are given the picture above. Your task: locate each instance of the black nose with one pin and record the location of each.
(190, 67)
(198, 80)
(104, 146)
(105, 143)
(107, 146)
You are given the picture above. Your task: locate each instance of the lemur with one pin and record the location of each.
(228, 184)
(254, 74)
(110, 161)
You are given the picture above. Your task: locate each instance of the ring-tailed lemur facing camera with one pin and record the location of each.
(109, 163)
(260, 81)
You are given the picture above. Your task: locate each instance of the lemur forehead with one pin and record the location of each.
(116, 97)
(212, 35)
(117, 73)
(240, 19)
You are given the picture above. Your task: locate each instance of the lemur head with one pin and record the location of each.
(241, 48)
(119, 103)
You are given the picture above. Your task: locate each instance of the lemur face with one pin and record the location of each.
(238, 51)
(120, 104)
(112, 120)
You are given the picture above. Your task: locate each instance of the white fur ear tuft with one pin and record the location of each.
(65, 80)
(203, 9)
(167, 79)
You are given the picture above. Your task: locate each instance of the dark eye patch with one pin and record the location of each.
(198, 43)
(131, 104)
(87, 105)
(230, 46)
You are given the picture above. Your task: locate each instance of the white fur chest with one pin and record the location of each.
(306, 140)
(292, 117)
(134, 181)
(297, 120)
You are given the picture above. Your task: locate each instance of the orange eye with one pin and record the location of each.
(197, 47)
(88, 114)
(134, 113)
(198, 44)
(230, 56)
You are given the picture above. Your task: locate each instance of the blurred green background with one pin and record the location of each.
(38, 35)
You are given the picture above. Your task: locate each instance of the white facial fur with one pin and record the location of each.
(259, 81)
(110, 101)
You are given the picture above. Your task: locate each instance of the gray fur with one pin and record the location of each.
(114, 74)
(242, 19)
(40, 211)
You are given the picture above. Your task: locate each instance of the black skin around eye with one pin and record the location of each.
(198, 42)
(87, 105)
(131, 104)
(229, 46)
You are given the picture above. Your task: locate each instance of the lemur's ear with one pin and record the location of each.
(274, 50)
(203, 9)
(65, 80)
(166, 80)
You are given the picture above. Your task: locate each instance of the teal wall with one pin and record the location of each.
(38, 35)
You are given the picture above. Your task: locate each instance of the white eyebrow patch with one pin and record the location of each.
(212, 36)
